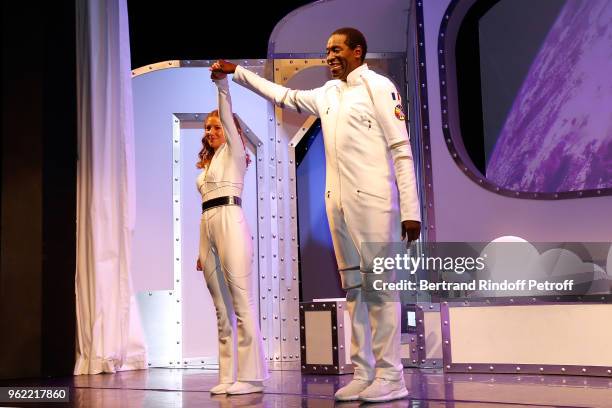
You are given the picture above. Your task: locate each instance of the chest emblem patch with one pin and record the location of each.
(399, 113)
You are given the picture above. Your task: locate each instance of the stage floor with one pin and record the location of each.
(159, 387)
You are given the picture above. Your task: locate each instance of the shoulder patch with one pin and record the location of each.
(399, 112)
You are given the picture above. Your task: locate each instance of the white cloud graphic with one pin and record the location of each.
(513, 259)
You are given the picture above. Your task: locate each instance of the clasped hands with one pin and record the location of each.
(221, 68)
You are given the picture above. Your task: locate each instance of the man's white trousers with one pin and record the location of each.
(363, 217)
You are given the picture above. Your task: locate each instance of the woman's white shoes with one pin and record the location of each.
(245, 387)
(220, 388)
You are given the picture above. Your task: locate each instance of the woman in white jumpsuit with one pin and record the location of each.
(225, 250)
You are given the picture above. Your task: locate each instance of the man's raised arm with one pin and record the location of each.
(300, 101)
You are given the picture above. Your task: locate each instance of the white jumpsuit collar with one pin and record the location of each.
(354, 77)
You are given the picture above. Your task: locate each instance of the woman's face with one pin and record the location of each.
(214, 132)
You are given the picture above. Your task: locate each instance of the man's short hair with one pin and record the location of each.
(354, 38)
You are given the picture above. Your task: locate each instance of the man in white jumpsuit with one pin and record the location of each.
(370, 196)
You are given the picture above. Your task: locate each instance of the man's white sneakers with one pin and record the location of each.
(350, 392)
(220, 388)
(382, 390)
(245, 387)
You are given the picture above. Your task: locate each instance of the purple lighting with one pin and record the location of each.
(558, 134)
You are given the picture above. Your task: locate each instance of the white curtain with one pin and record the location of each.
(109, 334)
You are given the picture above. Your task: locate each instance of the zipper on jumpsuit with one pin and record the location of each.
(339, 199)
(204, 215)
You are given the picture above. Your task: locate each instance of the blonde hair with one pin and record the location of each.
(207, 152)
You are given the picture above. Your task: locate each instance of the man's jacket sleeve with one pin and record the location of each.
(392, 120)
(300, 101)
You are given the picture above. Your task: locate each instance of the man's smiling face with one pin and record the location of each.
(341, 60)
